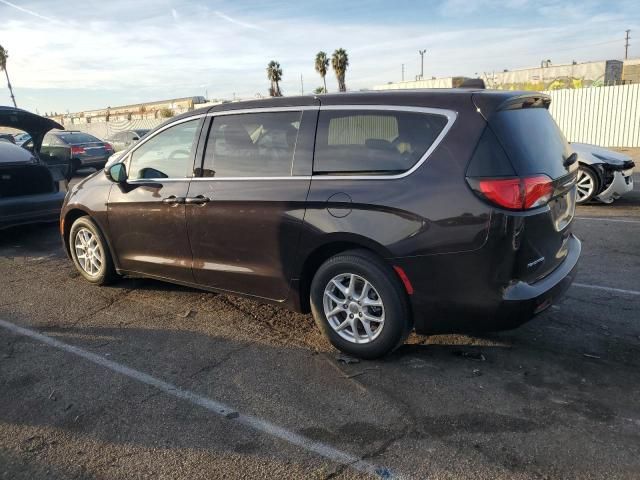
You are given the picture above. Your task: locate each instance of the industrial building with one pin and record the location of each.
(545, 77)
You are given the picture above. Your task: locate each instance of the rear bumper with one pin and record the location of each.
(471, 302)
(521, 301)
(93, 162)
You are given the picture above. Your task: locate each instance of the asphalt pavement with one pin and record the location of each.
(149, 380)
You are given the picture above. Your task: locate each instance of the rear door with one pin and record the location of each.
(147, 214)
(246, 208)
(535, 146)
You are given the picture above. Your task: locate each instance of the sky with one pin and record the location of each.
(77, 55)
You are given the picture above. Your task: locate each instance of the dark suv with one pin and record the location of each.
(434, 210)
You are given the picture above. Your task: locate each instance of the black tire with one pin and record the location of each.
(595, 179)
(397, 320)
(106, 273)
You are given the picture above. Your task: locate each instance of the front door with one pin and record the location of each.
(147, 214)
(246, 209)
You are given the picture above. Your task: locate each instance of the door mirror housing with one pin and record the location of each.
(117, 173)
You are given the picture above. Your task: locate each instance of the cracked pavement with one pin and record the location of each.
(556, 398)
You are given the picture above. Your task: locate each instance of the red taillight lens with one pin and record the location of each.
(515, 193)
(77, 150)
(537, 191)
(108, 147)
(503, 192)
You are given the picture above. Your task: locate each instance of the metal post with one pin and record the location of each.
(422, 52)
(403, 72)
(301, 85)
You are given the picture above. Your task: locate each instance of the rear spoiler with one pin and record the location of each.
(490, 102)
(538, 100)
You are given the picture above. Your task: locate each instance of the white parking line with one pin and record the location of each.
(601, 219)
(607, 289)
(213, 406)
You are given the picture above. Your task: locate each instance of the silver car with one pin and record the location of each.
(604, 175)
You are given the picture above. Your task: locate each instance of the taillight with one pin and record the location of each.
(77, 150)
(108, 147)
(520, 193)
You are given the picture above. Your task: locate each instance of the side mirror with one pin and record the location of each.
(117, 173)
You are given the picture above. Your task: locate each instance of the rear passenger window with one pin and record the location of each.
(371, 141)
(252, 145)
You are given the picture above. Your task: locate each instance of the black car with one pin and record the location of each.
(123, 140)
(434, 210)
(79, 148)
(30, 190)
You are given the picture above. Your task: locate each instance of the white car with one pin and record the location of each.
(604, 175)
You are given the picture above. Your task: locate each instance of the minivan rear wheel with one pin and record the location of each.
(359, 304)
(90, 252)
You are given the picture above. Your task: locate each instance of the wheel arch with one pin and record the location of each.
(598, 170)
(71, 216)
(333, 245)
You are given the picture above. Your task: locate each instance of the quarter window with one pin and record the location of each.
(252, 145)
(169, 154)
(369, 141)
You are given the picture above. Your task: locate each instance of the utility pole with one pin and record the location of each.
(301, 85)
(422, 52)
(626, 44)
(403, 72)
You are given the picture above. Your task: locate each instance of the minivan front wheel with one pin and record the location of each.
(90, 253)
(359, 304)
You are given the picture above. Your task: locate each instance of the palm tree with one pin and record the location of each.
(3, 66)
(322, 66)
(340, 62)
(274, 74)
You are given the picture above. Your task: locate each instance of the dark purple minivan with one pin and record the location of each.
(379, 212)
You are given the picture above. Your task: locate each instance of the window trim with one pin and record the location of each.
(126, 160)
(208, 127)
(450, 115)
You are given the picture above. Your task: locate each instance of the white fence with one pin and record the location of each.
(605, 116)
(105, 130)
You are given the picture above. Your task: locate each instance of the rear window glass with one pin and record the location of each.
(532, 140)
(370, 141)
(73, 138)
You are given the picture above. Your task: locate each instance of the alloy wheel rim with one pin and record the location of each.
(354, 308)
(88, 252)
(585, 185)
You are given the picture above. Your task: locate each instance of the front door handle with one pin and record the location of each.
(173, 200)
(199, 200)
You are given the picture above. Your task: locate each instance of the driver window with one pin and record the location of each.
(169, 154)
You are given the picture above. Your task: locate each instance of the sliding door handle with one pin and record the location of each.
(173, 200)
(199, 200)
